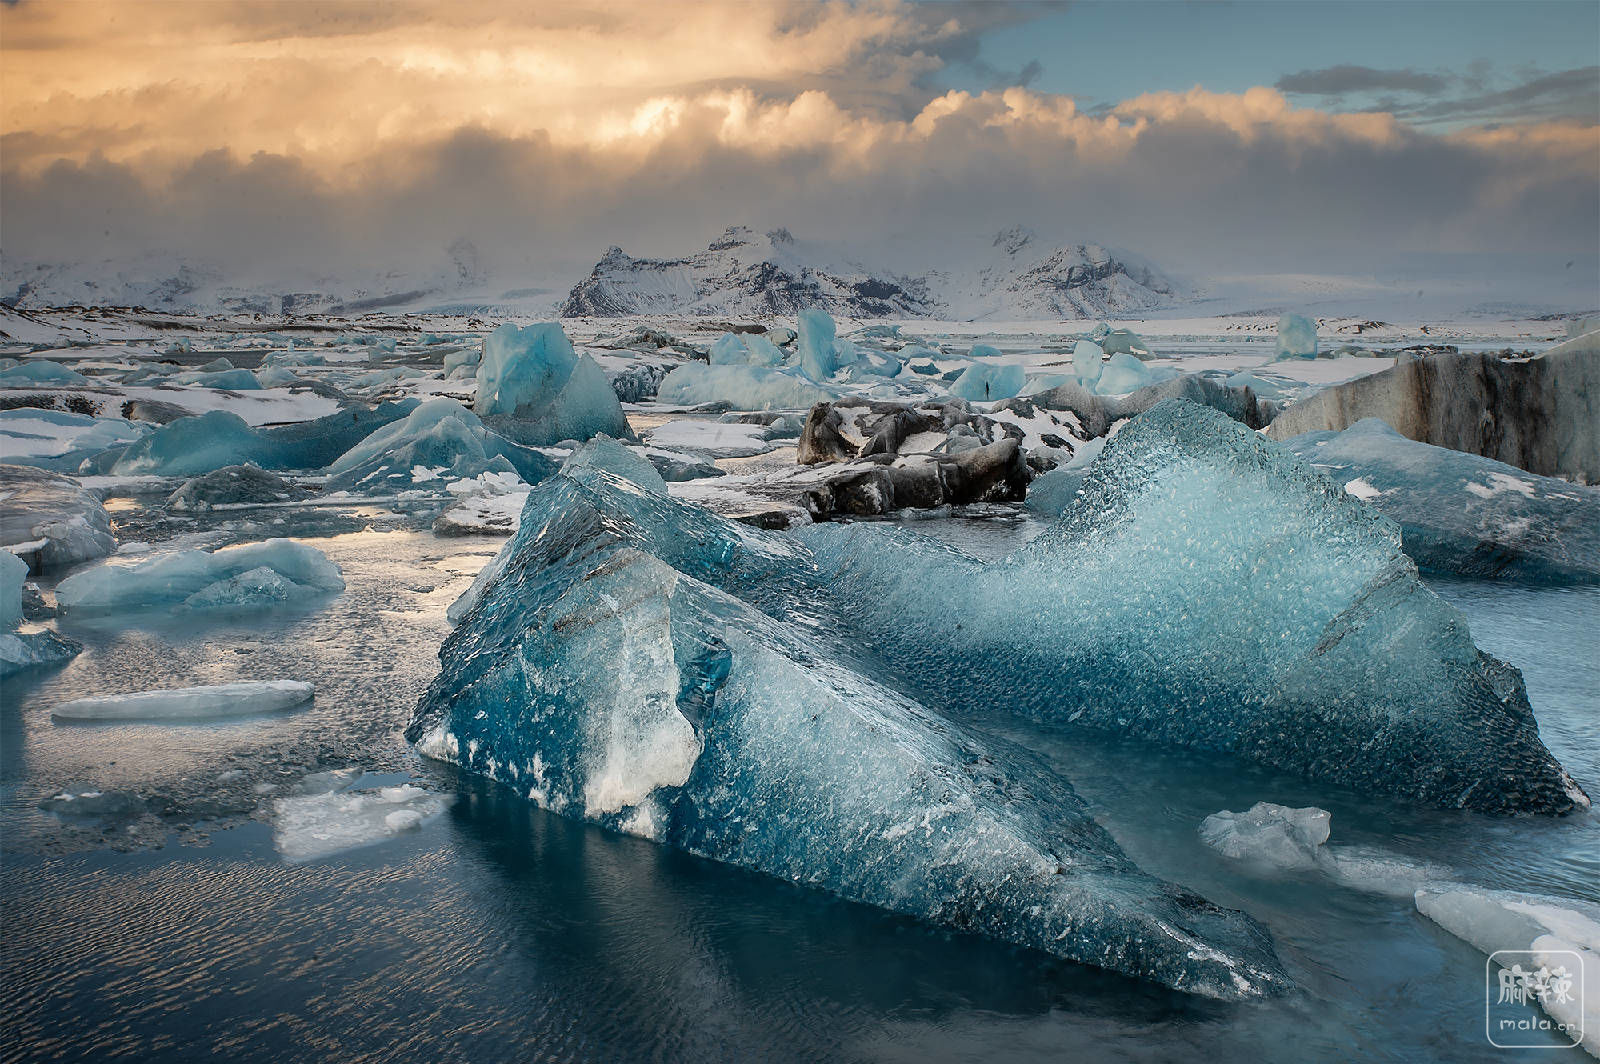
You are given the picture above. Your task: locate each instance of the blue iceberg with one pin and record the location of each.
(534, 389)
(599, 675)
(192, 446)
(270, 573)
(985, 382)
(438, 442)
(1461, 513)
(1297, 337)
(817, 357)
(1206, 588)
(23, 650)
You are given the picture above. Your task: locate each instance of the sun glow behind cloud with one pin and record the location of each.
(365, 126)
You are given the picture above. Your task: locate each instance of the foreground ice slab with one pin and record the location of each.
(51, 518)
(230, 577)
(190, 703)
(1553, 930)
(1459, 513)
(1208, 589)
(597, 675)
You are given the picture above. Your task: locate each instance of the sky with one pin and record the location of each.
(307, 136)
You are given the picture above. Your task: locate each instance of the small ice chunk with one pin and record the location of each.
(189, 703)
(172, 578)
(1088, 361)
(1125, 342)
(1558, 932)
(1123, 374)
(1268, 834)
(817, 355)
(1297, 337)
(310, 826)
(261, 586)
(986, 382)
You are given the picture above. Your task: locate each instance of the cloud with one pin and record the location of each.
(1339, 80)
(362, 137)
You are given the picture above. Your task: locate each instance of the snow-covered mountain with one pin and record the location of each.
(161, 280)
(742, 273)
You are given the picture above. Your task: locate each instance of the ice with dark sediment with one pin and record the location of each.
(1208, 589)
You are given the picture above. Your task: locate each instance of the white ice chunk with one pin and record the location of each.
(190, 703)
(311, 826)
(172, 578)
(1552, 929)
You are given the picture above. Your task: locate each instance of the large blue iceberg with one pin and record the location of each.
(1462, 513)
(1208, 589)
(600, 674)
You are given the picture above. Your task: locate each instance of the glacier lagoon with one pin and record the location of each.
(620, 949)
(604, 946)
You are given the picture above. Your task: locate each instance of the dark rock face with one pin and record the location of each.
(1540, 414)
(1097, 413)
(234, 486)
(743, 273)
(154, 411)
(879, 485)
(821, 440)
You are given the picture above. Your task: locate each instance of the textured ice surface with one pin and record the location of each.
(306, 827)
(1125, 342)
(51, 517)
(58, 440)
(190, 703)
(252, 589)
(745, 387)
(597, 675)
(816, 355)
(1550, 928)
(194, 445)
(714, 439)
(604, 453)
(1123, 374)
(1460, 513)
(538, 391)
(987, 381)
(439, 441)
(748, 349)
(1297, 337)
(173, 578)
(1209, 589)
